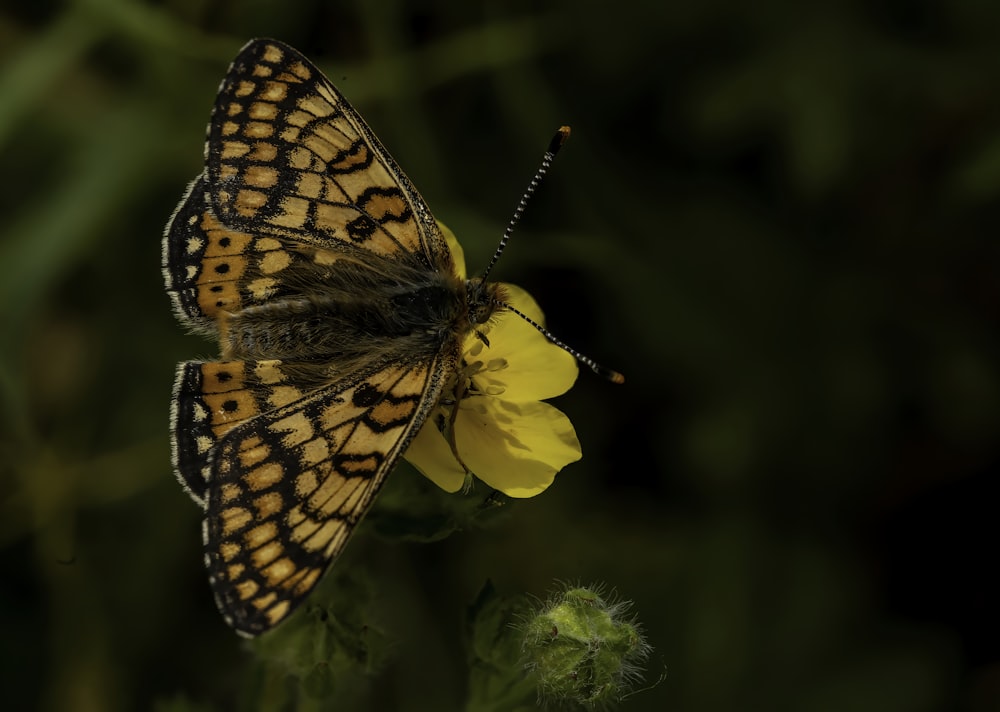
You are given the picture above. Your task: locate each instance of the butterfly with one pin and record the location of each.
(304, 249)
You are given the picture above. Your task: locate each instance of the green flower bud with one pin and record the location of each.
(584, 649)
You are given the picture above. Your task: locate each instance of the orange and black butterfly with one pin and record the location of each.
(304, 249)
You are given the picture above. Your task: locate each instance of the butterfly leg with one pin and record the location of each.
(460, 391)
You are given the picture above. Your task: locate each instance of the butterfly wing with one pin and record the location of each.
(288, 155)
(211, 398)
(289, 486)
(293, 176)
(211, 269)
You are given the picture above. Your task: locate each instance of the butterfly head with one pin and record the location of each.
(483, 299)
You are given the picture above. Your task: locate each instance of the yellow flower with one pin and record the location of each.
(503, 432)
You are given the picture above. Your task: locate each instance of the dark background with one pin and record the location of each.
(779, 220)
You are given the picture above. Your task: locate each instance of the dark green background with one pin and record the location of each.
(778, 219)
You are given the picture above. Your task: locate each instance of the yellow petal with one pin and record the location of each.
(508, 439)
(522, 300)
(516, 448)
(457, 253)
(430, 453)
(520, 364)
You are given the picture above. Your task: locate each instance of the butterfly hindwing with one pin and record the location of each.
(210, 269)
(287, 155)
(287, 488)
(211, 398)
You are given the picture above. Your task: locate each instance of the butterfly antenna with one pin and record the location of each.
(590, 363)
(550, 153)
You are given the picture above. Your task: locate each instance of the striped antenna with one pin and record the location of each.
(554, 145)
(550, 153)
(590, 363)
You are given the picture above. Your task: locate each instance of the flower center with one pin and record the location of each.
(482, 376)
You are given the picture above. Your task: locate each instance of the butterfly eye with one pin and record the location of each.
(480, 313)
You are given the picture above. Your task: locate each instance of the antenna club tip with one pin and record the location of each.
(607, 373)
(562, 135)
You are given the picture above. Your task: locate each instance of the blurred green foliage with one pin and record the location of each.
(779, 220)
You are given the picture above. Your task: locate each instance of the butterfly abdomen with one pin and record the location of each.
(406, 319)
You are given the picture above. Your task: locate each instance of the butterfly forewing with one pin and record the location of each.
(288, 154)
(290, 486)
